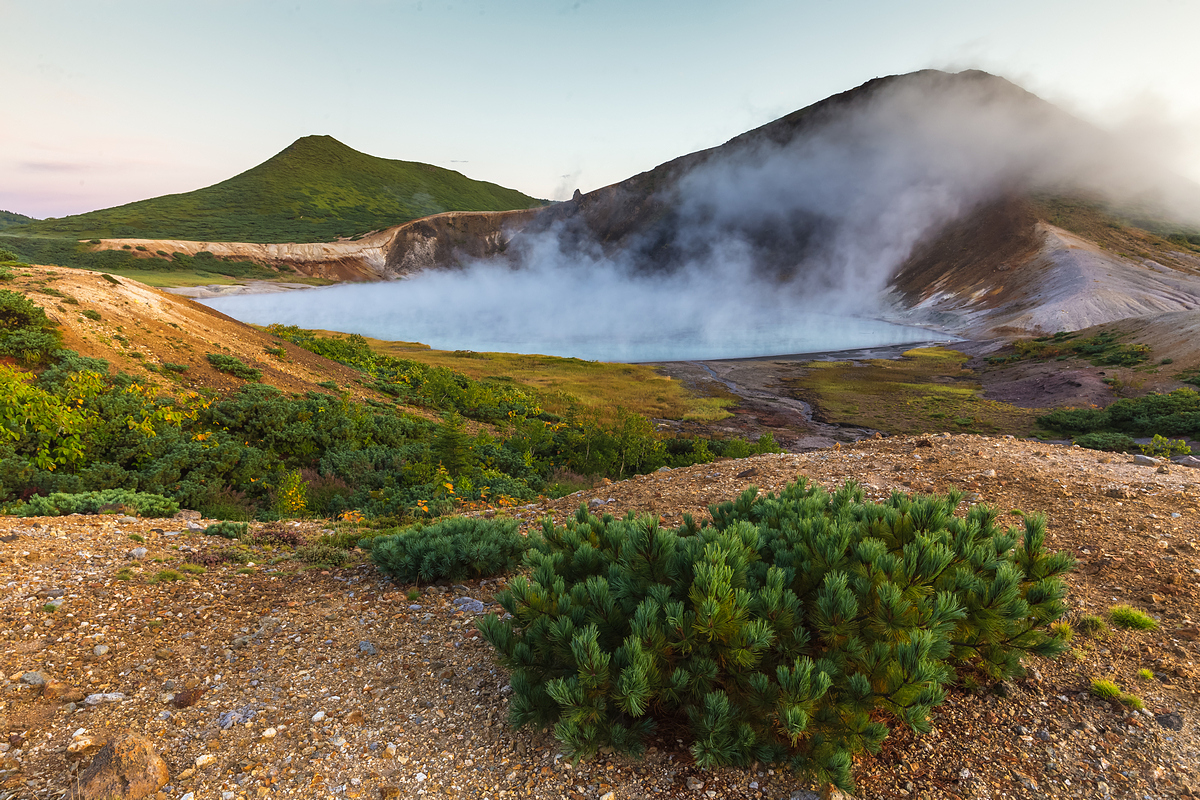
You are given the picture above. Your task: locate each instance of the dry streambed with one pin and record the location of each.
(259, 680)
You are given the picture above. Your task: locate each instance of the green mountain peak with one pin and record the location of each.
(315, 189)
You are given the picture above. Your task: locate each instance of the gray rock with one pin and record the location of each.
(194, 527)
(595, 502)
(138, 553)
(127, 520)
(470, 605)
(239, 716)
(366, 648)
(51, 592)
(1187, 461)
(1145, 461)
(103, 697)
(100, 649)
(34, 678)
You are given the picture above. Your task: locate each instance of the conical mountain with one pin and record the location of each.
(317, 189)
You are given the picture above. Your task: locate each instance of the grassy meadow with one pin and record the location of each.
(560, 382)
(926, 391)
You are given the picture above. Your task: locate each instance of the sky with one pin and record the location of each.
(106, 103)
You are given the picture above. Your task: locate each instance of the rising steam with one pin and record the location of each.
(765, 247)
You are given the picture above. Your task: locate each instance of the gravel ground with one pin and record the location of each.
(269, 680)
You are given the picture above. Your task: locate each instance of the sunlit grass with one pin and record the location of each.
(925, 391)
(595, 385)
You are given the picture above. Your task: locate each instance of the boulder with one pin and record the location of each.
(125, 769)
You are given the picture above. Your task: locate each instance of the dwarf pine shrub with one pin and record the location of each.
(227, 530)
(454, 548)
(55, 504)
(786, 631)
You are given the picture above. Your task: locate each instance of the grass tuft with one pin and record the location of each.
(1131, 618)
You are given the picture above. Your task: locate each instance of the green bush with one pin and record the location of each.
(784, 631)
(1162, 447)
(233, 366)
(1105, 689)
(227, 530)
(26, 333)
(453, 548)
(323, 553)
(1111, 442)
(59, 504)
(91, 314)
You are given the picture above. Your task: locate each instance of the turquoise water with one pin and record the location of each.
(601, 326)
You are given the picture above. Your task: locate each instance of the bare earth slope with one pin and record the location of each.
(440, 240)
(140, 327)
(1044, 280)
(298, 684)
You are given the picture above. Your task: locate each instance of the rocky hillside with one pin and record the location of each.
(253, 675)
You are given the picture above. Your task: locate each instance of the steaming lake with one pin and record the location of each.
(639, 326)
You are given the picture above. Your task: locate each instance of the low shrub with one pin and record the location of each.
(323, 553)
(1090, 625)
(1162, 447)
(233, 366)
(227, 530)
(786, 631)
(1105, 689)
(59, 504)
(453, 549)
(1111, 442)
(227, 504)
(279, 536)
(1132, 618)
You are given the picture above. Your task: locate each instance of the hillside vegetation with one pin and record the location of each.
(216, 416)
(317, 189)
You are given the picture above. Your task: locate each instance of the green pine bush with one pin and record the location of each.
(785, 631)
(56, 504)
(1112, 442)
(227, 530)
(234, 366)
(454, 549)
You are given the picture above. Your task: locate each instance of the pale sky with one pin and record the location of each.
(103, 103)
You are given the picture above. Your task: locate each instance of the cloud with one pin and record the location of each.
(55, 166)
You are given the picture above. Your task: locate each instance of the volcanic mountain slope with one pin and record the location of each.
(1005, 271)
(957, 201)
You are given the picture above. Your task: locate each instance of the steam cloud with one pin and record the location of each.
(766, 248)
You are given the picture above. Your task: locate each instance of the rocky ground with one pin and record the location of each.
(260, 678)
